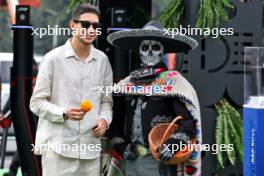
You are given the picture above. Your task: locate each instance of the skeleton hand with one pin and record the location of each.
(142, 73)
(173, 145)
(135, 74)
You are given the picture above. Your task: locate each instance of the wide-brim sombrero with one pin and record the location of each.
(131, 39)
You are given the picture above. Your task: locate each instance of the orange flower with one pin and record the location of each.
(86, 105)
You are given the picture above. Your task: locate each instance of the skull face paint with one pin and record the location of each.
(151, 52)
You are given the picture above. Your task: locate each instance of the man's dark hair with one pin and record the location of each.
(84, 8)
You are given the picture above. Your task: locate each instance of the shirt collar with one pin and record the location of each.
(69, 52)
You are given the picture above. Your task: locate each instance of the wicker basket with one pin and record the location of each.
(159, 134)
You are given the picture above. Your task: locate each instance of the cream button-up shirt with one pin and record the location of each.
(64, 81)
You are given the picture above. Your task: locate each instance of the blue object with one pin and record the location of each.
(253, 141)
(20, 27)
(114, 29)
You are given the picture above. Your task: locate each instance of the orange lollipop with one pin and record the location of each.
(86, 105)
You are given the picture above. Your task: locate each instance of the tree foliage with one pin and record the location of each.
(49, 13)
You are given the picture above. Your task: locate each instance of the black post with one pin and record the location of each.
(114, 15)
(21, 90)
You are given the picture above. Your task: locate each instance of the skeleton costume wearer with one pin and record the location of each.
(151, 52)
(151, 95)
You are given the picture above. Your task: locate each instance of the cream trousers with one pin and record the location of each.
(54, 164)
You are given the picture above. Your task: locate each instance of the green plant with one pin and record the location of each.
(171, 15)
(212, 12)
(229, 132)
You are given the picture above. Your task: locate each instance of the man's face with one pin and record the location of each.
(151, 52)
(84, 28)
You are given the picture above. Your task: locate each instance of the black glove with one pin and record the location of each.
(179, 139)
(130, 152)
(144, 72)
(173, 145)
(142, 75)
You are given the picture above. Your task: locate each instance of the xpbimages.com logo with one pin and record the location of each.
(49, 30)
(53, 147)
(214, 32)
(214, 148)
(133, 89)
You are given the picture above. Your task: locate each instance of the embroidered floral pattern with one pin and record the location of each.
(160, 119)
(116, 140)
(189, 169)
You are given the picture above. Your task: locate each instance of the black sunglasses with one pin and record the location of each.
(87, 24)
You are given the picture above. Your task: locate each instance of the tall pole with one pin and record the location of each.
(21, 90)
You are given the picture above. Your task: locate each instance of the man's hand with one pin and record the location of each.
(100, 128)
(75, 113)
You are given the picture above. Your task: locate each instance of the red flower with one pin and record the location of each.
(168, 88)
(5, 123)
(172, 73)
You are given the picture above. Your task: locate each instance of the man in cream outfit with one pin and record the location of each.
(68, 138)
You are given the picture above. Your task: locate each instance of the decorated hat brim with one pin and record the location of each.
(131, 40)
